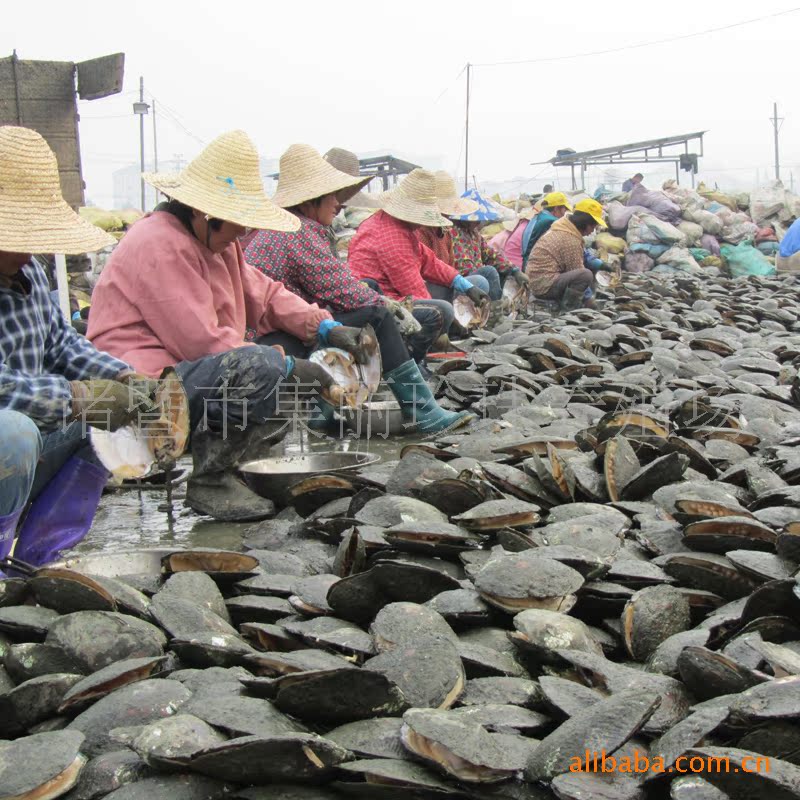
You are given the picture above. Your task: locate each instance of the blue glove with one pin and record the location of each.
(325, 327)
(592, 262)
(289, 365)
(461, 284)
(588, 294)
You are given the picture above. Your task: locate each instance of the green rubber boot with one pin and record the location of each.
(418, 403)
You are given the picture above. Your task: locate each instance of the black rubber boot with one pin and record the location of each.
(215, 489)
(571, 300)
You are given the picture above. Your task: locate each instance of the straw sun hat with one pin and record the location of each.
(347, 162)
(523, 214)
(448, 199)
(224, 181)
(414, 200)
(33, 215)
(305, 174)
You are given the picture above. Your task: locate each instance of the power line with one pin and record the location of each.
(678, 38)
(174, 117)
(450, 86)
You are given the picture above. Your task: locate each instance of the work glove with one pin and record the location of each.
(605, 267)
(477, 296)
(406, 322)
(359, 342)
(144, 383)
(520, 277)
(310, 379)
(108, 404)
(591, 262)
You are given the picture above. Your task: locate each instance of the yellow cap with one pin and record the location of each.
(593, 209)
(555, 199)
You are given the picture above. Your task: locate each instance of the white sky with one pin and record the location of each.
(367, 75)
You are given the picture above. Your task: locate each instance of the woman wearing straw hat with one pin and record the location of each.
(313, 191)
(178, 292)
(347, 162)
(425, 324)
(472, 254)
(52, 381)
(440, 240)
(387, 251)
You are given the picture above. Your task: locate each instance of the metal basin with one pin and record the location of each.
(119, 564)
(273, 477)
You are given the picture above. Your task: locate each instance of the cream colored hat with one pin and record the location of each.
(347, 162)
(224, 181)
(34, 218)
(526, 214)
(414, 200)
(305, 174)
(448, 199)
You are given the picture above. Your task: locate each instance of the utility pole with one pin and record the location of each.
(776, 124)
(466, 134)
(140, 109)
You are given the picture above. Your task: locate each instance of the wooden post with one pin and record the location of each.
(62, 283)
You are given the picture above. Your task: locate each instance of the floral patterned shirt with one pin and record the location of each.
(304, 262)
(471, 251)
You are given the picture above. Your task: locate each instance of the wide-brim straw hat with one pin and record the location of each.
(414, 201)
(224, 181)
(448, 199)
(305, 174)
(525, 214)
(34, 218)
(347, 161)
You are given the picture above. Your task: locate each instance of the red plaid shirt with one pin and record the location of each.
(387, 250)
(471, 251)
(304, 262)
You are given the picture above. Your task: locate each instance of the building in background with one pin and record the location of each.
(42, 95)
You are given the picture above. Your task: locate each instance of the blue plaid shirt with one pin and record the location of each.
(40, 352)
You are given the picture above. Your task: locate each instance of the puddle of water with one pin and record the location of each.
(130, 519)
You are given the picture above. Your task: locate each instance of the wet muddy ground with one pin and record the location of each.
(130, 518)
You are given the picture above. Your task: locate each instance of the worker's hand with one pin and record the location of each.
(108, 404)
(520, 277)
(406, 322)
(605, 267)
(310, 379)
(143, 383)
(361, 343)
(477, 296)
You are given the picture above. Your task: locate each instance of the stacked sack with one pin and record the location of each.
(345, 225)
(685, 230)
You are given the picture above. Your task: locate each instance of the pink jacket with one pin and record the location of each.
(164, 297)
(510, 244)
